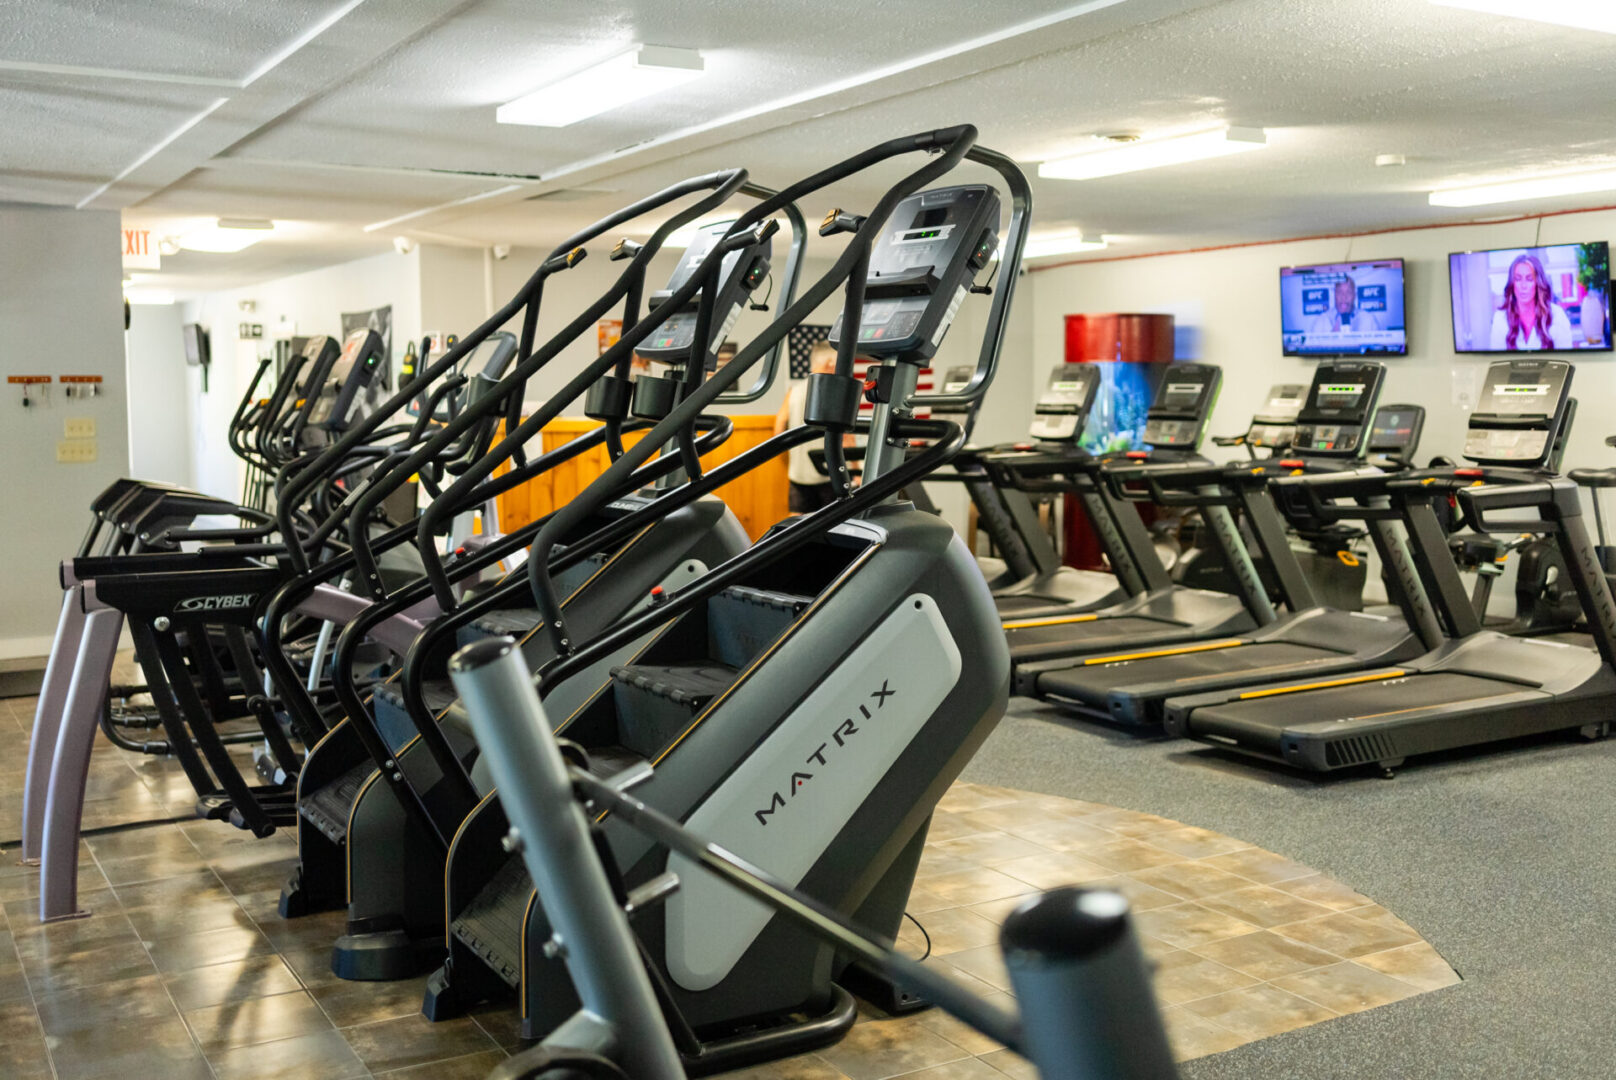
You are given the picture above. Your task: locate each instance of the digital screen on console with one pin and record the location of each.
(1180, 396)
(1339, 395)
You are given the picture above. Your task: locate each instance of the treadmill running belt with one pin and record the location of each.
(1259, 722)
(1091, 683)
(1073, 638)
(1012, 605)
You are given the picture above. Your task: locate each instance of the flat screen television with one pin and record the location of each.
(1343, 309)
(196, 344)
(1548, 299)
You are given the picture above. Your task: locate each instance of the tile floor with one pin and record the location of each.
(185, 971)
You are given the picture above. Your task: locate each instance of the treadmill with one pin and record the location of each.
(1480, 686)
(1312, 640)
(1162, 613)
(1059, 419)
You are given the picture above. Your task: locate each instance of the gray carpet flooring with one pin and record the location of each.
(1505, 861)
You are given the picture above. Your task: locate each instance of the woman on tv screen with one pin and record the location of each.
(1529, 316)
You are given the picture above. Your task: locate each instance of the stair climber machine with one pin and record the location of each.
(1085, 1008)
(1310, 640)
(1158, 612)
(803, 704)
(382, 796)
(1478, 686)
(181, 589)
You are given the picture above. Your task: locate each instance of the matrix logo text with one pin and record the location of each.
(840, 736)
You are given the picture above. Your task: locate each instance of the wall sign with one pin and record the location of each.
(140, 250)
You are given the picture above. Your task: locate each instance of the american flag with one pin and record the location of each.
(801, 342)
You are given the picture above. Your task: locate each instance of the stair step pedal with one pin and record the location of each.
(491, 925)
(329, 807)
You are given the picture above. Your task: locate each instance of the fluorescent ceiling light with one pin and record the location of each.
(1536, 187)
(1071, 243)
(149, 296)
(628, 76)
(1154, 153)
(1583, 14)
(226, 235)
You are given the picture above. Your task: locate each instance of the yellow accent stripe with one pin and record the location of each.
(1376, 676)
(521, 973)
(347, 848)
(1059, 620)
(448, 859)
(1177, 650)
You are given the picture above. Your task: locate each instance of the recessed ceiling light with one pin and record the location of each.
(1154, 153)
(1535, 187)
(226, 235)
(626, 77)
(1583, 14)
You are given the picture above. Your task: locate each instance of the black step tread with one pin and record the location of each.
(692, 685)
(438, 694)
(513, 621)
(608, 761)
(768, 598)
(329, 807)
(491, 925)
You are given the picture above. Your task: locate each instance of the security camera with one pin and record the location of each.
(403, 245)
(502, 251)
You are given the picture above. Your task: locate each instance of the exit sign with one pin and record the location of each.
(140, 250)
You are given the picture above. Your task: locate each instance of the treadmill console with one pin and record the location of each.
(1394, 433)
(354, 373)
(742, 271)
(1275, 426)
(1334, 420)
(922, 268)
(1063, 407)
(1521, 414)
(1177, 418)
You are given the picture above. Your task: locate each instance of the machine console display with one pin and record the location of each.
(1339, 404)
(922, 268)
(1275, 426)
(1395, 431)
(1063, 407)
(1519, 418)
(354, 373)
(742, 271)
(1177, 418)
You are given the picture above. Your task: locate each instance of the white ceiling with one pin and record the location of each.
(330, 115)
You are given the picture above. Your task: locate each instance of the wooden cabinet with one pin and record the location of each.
(758, 498)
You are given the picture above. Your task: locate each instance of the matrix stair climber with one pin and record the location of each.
(1478, 686)
(383, 794)
(807, 702)
(1310, 640)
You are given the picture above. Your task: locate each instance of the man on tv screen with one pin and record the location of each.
(1343, 309)
(1344, 315)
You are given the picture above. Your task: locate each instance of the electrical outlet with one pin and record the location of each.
(76, 451)
(82, 427)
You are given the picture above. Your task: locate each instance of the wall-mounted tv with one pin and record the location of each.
(1343, 309)
(196, 344)
(1550, 299)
